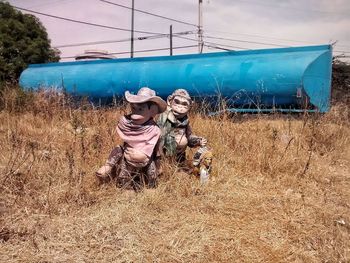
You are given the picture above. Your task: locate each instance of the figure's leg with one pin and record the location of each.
(182, 162)
(181, 158)
(152, 174)
(158, 163)
(124, 177)
(113, 159)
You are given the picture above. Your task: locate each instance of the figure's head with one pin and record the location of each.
(142, 112)
(207, 159)
(180, 103)
(203, 156)
(144, 105)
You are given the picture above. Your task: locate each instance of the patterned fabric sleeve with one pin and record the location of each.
(161, 124)
(193, 140)
(167, 141)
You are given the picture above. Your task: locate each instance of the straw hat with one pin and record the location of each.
(146, 94)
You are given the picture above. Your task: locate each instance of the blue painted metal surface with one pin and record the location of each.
(282, 78)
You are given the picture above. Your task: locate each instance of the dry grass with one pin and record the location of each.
(281, 191)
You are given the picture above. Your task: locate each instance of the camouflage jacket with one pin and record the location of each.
(169, 126)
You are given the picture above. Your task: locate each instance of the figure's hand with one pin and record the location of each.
(203, 142)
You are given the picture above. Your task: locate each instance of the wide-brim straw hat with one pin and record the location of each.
(146, 94)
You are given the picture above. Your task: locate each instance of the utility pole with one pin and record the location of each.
(132, 31)
(171, 40)
(200, 27)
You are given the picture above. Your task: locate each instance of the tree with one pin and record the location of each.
(341, 82)
(23, 41)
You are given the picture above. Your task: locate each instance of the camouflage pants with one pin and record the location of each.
(180, 157)
(129, 176)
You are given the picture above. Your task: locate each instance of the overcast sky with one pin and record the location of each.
(272, 23)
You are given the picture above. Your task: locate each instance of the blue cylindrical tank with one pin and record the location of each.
(268, 78)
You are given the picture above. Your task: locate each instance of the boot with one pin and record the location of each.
(105, 171)
(152, 175)
(152, 183)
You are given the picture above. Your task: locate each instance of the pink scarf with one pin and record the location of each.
(142, 137)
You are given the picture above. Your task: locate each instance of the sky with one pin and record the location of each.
(227, 24)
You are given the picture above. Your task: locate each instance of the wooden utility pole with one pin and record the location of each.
(171, 40)
(132, 31)
(200, 27)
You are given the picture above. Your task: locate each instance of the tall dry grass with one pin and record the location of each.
(280, 190)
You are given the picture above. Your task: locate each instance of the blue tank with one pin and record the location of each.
(253, 80)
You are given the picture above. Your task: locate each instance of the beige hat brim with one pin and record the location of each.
(131, 98)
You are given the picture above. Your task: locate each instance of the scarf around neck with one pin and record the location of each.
(142, 137)
(178, 123)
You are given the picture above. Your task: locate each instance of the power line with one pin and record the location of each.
(147, 32)
(141, 51)
(93, 43)
(181, 47)
(121, 40)
(187, 38)
(341, 51)
(149, 13)
(246, 41)
(272, 44)
(224, 45)
(237, 47)
(265, 37)
(211, 43)
(83, 22)
(259, 36)
(340, 56)
(216, 47)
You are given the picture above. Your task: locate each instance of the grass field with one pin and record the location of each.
(280, 190)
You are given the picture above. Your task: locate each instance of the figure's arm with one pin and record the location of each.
(161, 124)
(161, 120)
(193, 140)
(158, 154)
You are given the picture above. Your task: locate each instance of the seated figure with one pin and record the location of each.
(176, 130)
(134, 161)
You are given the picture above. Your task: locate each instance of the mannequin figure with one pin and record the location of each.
(134, 161)
(176, 130)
